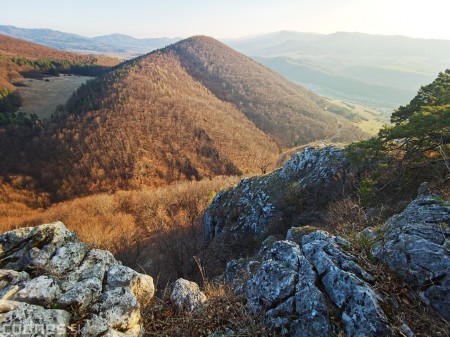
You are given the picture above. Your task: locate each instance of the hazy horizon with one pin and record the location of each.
(233, 18)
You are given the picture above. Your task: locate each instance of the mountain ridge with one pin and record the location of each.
(376, 70)
(246, 83)
(111, 43)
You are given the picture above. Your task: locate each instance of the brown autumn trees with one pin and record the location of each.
(194, 110)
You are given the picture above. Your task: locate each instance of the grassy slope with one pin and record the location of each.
(43, 93)
(42, 97)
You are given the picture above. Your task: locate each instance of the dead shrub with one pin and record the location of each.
(157, 231)
(345, 215)
(223, 311)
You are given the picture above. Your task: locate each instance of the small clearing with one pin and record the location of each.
(43, 96)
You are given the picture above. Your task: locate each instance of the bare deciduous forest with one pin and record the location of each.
(191, 112)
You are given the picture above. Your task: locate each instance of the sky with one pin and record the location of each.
(231, 18)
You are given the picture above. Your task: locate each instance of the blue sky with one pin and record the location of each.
(231, 18)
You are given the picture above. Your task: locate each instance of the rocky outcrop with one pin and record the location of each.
(297, 282)
(51, 277)
(259, 205)
(23, 319)
(416, 244)
(240, 210)
(305, 282)
(187, 295)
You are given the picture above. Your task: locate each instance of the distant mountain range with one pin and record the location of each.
(375, 70)
(113, 44)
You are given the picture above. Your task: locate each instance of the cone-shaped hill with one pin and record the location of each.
(149, 123)
(290, 114)
(193, 110)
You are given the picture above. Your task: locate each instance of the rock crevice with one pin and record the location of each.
(294, 280)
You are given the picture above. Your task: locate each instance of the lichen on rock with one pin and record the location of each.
(50, 276)
(415, 245)
(293, 282)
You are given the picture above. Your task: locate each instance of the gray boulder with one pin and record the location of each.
(117, 309)
(47, 267)
(415, 244)
(292, 282)
(237, 271)
(23, 319)
(42, 290)
(315, 166)
(141, 285)
(187, 295)
(247, 208)
(346, 283)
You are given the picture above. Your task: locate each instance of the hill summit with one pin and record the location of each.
(193, 110)
(290, 114)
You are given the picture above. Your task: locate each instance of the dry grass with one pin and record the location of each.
(157, 231)
(42, 97)
(19, 201)
(401, 303)
(222, 312)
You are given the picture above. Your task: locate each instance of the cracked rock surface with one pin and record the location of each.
(257, 204)
(297, 284)
(49, 277)
(416, 244)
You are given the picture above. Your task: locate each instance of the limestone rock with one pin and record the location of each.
(315, 166)
(187, 294)
(272, 283)
(120, 308)
(22, 319)
(82, 295)
(47, 266)
(245, 208)
(141, 285)
(345, 282)
(415, 244)
(310, 306)
(11, 282)
(292, 281)
(42, 290)
(238, 270)
(258, 205)
(30, 249)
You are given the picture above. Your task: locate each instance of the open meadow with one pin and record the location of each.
(43, 96)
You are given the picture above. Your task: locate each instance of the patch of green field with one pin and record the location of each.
(43, 96)
(369, 120)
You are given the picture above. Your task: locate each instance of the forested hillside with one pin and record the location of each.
(147, 123)
(191, 111)
(291, 114)
(21, 59)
